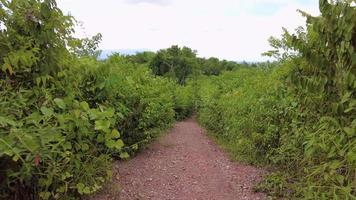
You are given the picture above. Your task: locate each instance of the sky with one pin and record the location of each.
(227, 29)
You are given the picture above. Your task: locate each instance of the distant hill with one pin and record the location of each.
(105, 53)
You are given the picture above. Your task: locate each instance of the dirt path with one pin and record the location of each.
(184, 164)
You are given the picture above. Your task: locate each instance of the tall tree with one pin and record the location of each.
(175, 62)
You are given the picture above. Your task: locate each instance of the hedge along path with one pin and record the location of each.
(183, 164)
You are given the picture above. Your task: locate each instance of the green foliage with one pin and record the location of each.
(34, 36)
(88, 47)
(146, 102)
(61, 126)
(64, 115)
(141, 58)
(323, 80)
(244, 109)
(106, 110)
(51, 137)
(213, 66)
(184, 101)
(177, 63)
(182, 63)
(299, 117)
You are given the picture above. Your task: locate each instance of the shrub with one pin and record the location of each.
(61, 124)
(299, 116)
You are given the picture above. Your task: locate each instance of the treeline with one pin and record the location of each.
(299, 117)
(182, 63)
(64, 115)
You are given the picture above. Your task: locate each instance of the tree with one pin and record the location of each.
(175, 62)
(88, 46)
(141, 58)
(35, 37)
(212, 66)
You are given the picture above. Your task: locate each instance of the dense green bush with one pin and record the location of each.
(245, 109)
(146, 101)
(51, 131)
(175, 62)
(214, 66)
(300, 116)
(183, 101)
(180, 64)
(63, 118)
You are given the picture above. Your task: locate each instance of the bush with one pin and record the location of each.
(62, 124)
(245, 108)
(183, 101)
(299, 116)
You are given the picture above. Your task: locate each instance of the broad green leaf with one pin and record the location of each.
(84, 105)
(124, 155)
(102, 125)
(15, 158)
(67, 146)
(7, 121)
(48, 112)
(29, 142)
(119, 144)
(115, 134)
(45, 195)
(100, 138)
(110, 144)
(60, 103)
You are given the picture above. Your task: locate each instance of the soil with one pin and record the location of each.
(183, 164)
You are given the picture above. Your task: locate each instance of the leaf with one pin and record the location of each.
(115, 134)
(34, 118)
(124, 155)
(100, 138)
(85, 147)
(80, 188)
(54, 136)
(346, 97)
(38, 81)
(349, 131)
(86, 190)
(48, 112)
(29, 142)
(15, 158)
(109, 113)
(7, 66)
(102, 125)
(60, 103)
(7, 121)
(45, 195)
(335, 164)
(119, 144)
(11, 71)
(84, 105)
(349, 109)
(340, 179)
(110, 144)
(351, 157)
(77, 113)
(67, 146)
(134, 147)
(94, 114)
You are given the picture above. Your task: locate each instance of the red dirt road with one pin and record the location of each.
(186, 165)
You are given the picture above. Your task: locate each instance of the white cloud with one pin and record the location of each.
(229, 29)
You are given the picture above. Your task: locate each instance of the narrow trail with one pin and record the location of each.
(184, 164)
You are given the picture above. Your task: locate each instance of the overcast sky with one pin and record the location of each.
(228, 29)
